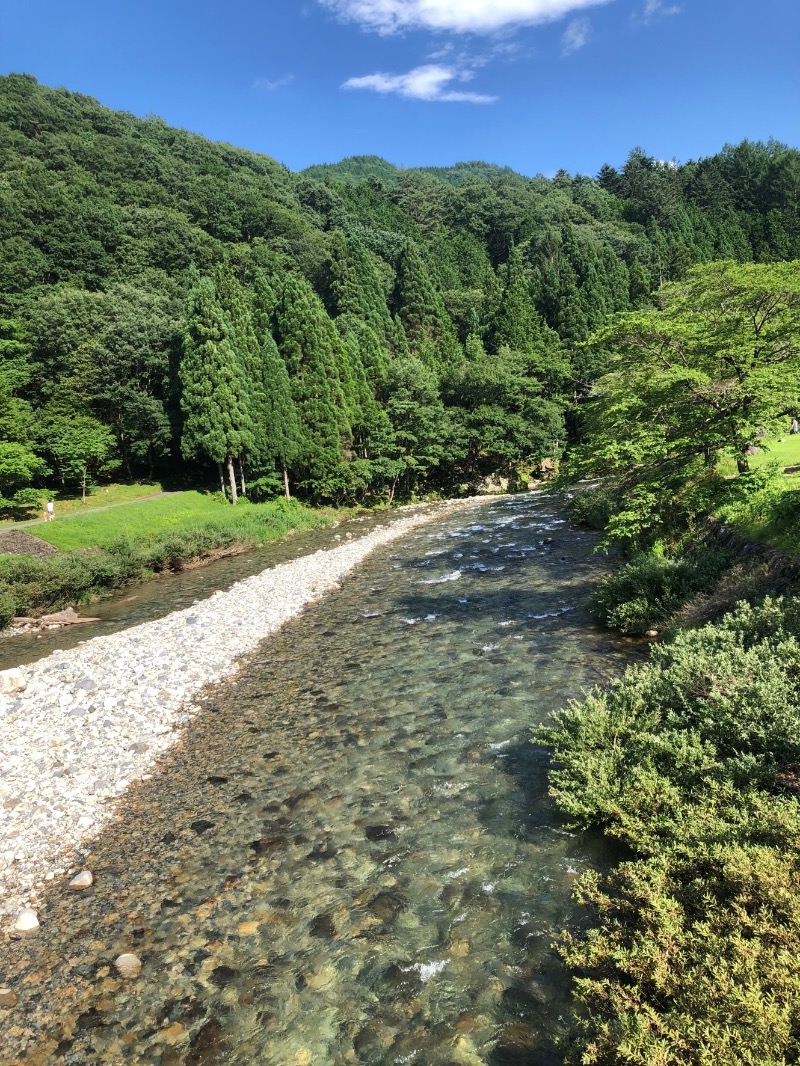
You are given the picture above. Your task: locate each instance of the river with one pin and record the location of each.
(351, 858)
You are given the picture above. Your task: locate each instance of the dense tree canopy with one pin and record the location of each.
(708, 371)
(333, 301)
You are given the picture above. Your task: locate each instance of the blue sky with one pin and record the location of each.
(533, 84)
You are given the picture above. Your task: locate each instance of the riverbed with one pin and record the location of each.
(350, 857)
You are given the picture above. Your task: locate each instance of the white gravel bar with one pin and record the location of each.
(93, 719)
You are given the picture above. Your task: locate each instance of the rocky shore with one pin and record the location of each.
(85, 723)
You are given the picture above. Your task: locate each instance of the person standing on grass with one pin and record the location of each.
(795, 427)
(50, 512)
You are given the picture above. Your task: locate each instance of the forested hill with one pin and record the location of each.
(356, 331)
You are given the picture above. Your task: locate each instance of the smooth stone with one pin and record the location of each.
(8, 997)
(128, 965)
(82, 880)
(27, 921)
(651, 633)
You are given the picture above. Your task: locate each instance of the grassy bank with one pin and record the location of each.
(160, 517)
(107, 550)
(70, 502)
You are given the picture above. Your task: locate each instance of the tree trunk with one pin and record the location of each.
(232, 479)
(241, 477)
(222, 481)
(286, 492)
(83, 486)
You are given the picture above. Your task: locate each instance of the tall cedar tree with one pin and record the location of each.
(315, 359)
(236, 308)
(427, 325)
(355, 288)
(282, 430)
(516, 323)
(214, 396)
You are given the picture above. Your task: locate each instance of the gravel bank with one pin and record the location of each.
(93, 719)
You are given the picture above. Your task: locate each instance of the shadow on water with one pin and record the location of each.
(350, 857)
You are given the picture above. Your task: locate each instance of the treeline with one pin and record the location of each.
(356, 332)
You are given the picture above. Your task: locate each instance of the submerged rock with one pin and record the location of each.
(85, 879)
(128, 965)
(27, 922)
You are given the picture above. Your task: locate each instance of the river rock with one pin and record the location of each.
(8, 997)
(13, 680)
(82, 880)
(651, 633)
(27, 922)
(128, 965)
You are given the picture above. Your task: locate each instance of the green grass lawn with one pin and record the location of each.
(160, 517)
(67, 503)
(771, 516)
(784, 450)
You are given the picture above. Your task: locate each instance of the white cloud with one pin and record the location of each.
(429, 82)
(657, 8)
(270, 86)
(457, 16)
(577, 34)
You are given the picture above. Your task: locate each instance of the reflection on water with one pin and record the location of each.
(357, 861)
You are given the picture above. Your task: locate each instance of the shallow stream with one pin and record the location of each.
(351, 858)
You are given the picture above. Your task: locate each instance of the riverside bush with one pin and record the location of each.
(692, 762)
(649, 588)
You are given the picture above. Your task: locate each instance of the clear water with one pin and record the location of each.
(353, 858)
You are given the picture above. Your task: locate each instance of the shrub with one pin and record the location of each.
(8, 607)
(650, 588)
(692, 760)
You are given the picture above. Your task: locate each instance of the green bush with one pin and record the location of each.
(8, 607)
(650, 588)
(692, 761)
(591, 507)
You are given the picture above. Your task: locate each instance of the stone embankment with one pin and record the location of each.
(84, 723)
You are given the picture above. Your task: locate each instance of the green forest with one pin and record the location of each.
(353, 333)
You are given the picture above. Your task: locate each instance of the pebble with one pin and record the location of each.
(93, 719)
(8, 997)
(128, 965)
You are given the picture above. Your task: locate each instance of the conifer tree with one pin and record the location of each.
(214, 397)
(516, 322)
(314, 356)
(236, 309)
(282, 434)
(355, 288)
(427, 325)
(282, 443)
